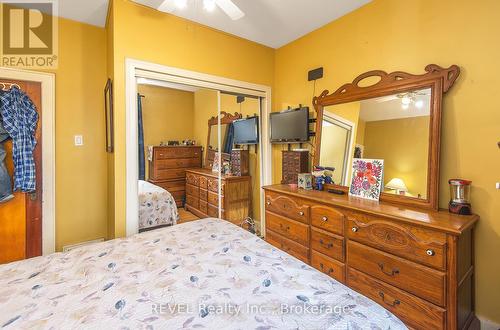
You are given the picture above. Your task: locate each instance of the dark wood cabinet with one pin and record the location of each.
(293, 163)
(417, 263)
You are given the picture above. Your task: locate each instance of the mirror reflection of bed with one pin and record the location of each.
(394, 128)
(180, 143)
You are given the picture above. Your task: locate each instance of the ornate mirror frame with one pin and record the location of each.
(225, 118)
(439, 79)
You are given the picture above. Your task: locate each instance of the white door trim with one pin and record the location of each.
(47, 81)
(139, 69)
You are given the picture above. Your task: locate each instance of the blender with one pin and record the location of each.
(460, 197)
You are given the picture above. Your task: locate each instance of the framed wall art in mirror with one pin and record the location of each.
(397, 119)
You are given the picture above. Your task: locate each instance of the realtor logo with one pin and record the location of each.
(29, 33)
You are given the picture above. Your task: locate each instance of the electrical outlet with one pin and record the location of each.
(498, 185)
(78, 140)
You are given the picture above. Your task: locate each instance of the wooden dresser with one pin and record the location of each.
(167, 168)
(202, 195)
(418, 264)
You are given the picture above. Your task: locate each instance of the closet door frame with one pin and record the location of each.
(135, 69)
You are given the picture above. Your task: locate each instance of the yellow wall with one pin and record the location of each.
(149, 35)
(81, 174)
(206, 106)
(249, 107)
(403, 144)
(167, 114)
(407, 35)
(334, 140)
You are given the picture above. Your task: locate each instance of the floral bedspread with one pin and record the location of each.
(206, 274)
(156, 206)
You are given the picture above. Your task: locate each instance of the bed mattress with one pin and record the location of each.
(156, 206)
(207, 274)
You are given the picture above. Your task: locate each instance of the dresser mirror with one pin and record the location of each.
(226, 120)
(397, 119)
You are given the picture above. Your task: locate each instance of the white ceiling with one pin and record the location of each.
(273, 23)
(92, 12)
(390, 107)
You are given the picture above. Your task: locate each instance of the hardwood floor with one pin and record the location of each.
(186, 216)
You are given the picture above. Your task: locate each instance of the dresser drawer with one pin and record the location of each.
(290, 229)
(177, 152)
(415, 312)
(178, 195)
(171, 186)
(193, 201)
(203, 182)
(286, 206)
(417, 244)
(323, 242)
(213, 185)
(327, 218)
(421, 281)
(213, 198)
(170, 174)
(328, 266)
(203, 194)
(298, 251)
(165, 164)
(203, 207)
(213, 211)
(193, 179)
(194, 191)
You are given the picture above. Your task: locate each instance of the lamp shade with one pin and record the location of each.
(396, 184)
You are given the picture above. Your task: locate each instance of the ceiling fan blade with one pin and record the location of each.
(167, 6)
(230, 9)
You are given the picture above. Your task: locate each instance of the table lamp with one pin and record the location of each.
(398, 185)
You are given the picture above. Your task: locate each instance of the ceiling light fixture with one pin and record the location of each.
(209, 5)
(181, 4)
(227, 6)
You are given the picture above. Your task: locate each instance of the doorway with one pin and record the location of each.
(27, 222)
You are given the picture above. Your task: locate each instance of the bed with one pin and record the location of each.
(206, 274)
(156, 207)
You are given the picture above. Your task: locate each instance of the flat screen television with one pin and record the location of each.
(290, 126)
(246, 131)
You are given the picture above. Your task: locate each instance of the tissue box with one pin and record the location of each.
(305, 181)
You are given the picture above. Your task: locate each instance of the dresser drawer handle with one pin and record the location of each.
(354, 229)
(328, 246)
(322, 268)
(393, 304)
(392, 273)
(430, 252)
(301, 213)
(268, 203)
(324, 219)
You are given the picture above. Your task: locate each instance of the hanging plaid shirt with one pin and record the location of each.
(20, 120)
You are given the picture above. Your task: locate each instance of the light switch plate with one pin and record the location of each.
(498, 185)
(78, 140)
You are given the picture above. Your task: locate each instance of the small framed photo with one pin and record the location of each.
(359, 151)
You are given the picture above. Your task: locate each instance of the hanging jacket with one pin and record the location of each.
(20, 120)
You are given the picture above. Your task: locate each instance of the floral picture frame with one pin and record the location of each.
(367, 178)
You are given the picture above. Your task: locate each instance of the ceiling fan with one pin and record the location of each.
(227, 6)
